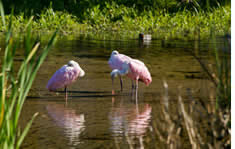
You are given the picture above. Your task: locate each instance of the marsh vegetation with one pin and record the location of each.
(163, 19)
(188, 105)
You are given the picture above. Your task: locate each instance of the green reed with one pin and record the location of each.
(222, 74)
(16, 85)
(220, 71)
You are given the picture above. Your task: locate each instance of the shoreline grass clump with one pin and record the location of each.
(114, 17)
(15, 86)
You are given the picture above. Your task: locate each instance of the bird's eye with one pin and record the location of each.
(114, 53)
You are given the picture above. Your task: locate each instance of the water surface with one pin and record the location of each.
(93, 118)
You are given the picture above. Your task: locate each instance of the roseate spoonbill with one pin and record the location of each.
(115, 62)
(133, 68)
(65, 76)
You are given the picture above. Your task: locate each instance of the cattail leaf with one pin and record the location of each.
(33, 51)
(2, 15)
(26, 129)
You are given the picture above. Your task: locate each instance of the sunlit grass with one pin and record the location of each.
(16, 85)
(122, 19)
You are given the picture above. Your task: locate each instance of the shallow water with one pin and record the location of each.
(93, 118)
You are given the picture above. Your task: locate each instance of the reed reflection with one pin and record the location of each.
(67, 118)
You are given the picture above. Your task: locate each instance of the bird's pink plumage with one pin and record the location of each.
(116, 61)
(138, 70)
(63, 77)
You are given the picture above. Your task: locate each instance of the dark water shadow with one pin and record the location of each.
(89, 56)
(86, 92)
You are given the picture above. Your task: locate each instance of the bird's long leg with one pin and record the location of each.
(137, 106)
(120, 82)
(113, 100)
(132, 84)
(132, 87)
(113, 86)
(65, 90)
(136, 90)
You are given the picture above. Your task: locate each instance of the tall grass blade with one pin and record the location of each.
(29, 22)
(2, 14)
(15, 88)
(24, 133)
(31, 54)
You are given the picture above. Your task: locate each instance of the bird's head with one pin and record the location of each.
(148, 81)
(82, 73)
(117, 72)
(114, 53)
(72, 63)
(114, 73)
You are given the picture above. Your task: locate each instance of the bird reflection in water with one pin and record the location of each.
(72, 123)
(130, 120)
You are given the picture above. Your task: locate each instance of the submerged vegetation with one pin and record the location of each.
(170, 18)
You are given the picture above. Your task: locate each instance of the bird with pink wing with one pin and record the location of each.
(134, 69)
(65, 76)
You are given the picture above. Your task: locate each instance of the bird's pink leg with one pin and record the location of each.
(113, 100)
(113, 87)
(136, 89)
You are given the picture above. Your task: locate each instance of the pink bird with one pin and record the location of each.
(133, 68)
(116, 61)
(65, 76)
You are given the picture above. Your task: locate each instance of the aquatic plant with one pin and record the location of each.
(197, 123)
(14, 86)
(186, 122)
(222, 74)
(220, 71)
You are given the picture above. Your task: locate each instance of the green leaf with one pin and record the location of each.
(26, 129)
(2, 15)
